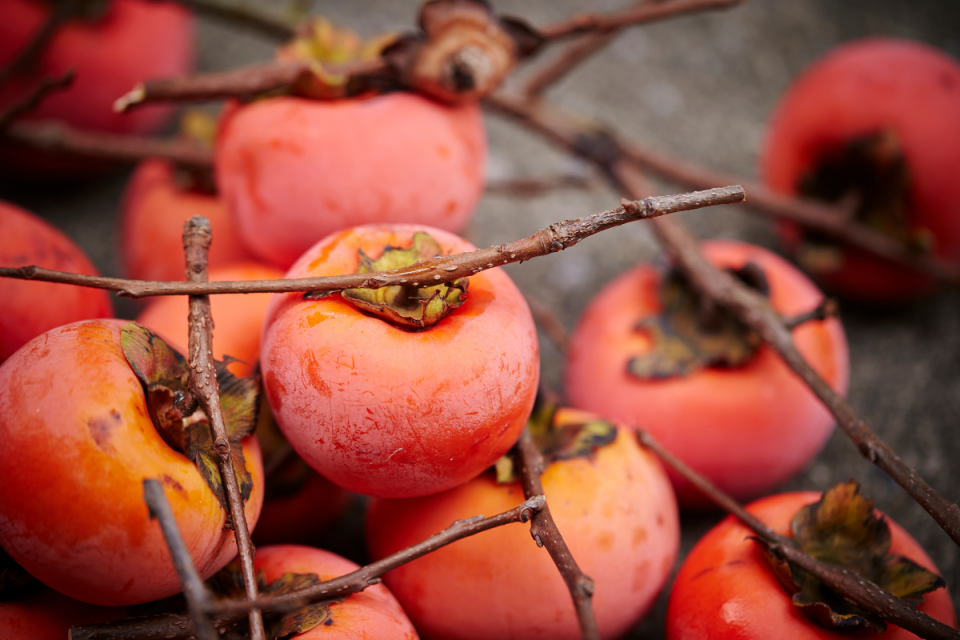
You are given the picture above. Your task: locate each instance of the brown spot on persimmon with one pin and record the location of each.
(101, 429)
(176, 486)
(639, 535)
(605, 541)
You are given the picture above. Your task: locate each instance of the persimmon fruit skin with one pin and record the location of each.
(31, 308)
(133, 41)
(372, 613)
(726, 590)
(293, 171)
(615, 509)
(857, 89)
(381, 410)
(152, 214)
(76, 443)
(48, 615)
(747, 428)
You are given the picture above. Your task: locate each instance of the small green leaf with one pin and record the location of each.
(686, 338)
(239, 402)
(842, 529)
(417, 307)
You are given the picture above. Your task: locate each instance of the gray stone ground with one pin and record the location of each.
(701, 87)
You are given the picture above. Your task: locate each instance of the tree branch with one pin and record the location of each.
(556, 237)
(60, 13)
(172, 626)
(34, 97)
(544, 530)
(194, 591)
(248, 14)
(530, 187)
(56, 137)
(204, 386)
(853, 587)
(548, 322)
(642, 14)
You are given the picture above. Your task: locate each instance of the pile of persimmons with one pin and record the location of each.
(415, 396)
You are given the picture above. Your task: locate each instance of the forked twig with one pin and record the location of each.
(34, 97)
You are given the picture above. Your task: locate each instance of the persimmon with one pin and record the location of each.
(238, 319)
(746, 426)
(615, 509)
(726, 589)
(874, 125)
(48, 615)
(31, 308)
(396, 411)
(76, 443)
(154, 209)
(293, 170)
(372, 613)
(111, 50)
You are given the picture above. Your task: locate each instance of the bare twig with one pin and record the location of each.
(831, 221)
(180, 626)
(826, 309)
(197, 597)
(53, 136)
(548, 322)
(642, 14)
(528, 187)
(247, 82)
(556, 237)
(544, 530)
(248, 14)
(60, 13)
(853, 587)
(31, 100)
(577, 53)
(203, 385)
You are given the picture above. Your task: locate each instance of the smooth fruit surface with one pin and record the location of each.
(386, 411)
(616, 512)
(238, 319)
(725, 589)
(746, 428)
(861, 88)
(151, 225)
(48, 615)
(31, 308)
(372, 613)
(76, 443)
(292, 170)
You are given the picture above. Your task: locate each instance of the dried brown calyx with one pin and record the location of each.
(411, 307)
(558, 441)
(869, 176)
(177, 417)
(464, 51)
(228, 584)
(842, 529)
(691, 333)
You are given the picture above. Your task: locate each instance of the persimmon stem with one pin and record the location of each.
(853, 587)
(195, 593)
(202, 382)
(556, 237)
(173, 626)
(544, 531)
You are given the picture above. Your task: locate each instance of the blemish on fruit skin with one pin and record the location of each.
(315, 318)
(101, 429)
(173, 484)
(701, 573)
(639, 535)
(605, 541)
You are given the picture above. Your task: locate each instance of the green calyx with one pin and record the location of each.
(183, 425)
(555, 443)
(843, 530)
(868, 174)
(228, 584)
(689, 334)
(413, 307)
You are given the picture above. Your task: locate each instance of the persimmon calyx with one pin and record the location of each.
(842, 529)
(415, 307)
(869, 176)
(690, 334)
(555, 443)
(228, 584)
(185, 427)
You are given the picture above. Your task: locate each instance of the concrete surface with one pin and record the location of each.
(701, 87)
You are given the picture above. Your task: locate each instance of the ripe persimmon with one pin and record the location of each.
(748, 426)
(614, 508)
(76, 443)
(45, 614)
(873, 125)
(726, 589)
(151, 225)
(390, 410)
(31, 308)
(293, 171)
